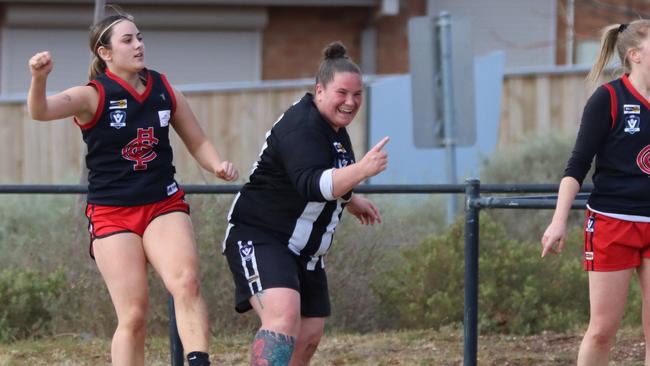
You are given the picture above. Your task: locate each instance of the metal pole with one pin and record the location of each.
(99, 10)
(175, 345)
(470, 337)
(444, 40)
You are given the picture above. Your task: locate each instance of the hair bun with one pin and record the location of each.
(335, 50)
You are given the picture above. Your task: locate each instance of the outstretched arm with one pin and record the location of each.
(190, 131)
(79, 101)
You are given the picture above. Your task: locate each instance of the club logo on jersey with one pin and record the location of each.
(589, 256)
(339, 147)
(172, 188)
(590, 224)
(632, 123)
(140, 149)
(117, 104)
(246, 251)
(164, 117)
(343, 158)
(643, 160)
(631, 109)
(118, 119)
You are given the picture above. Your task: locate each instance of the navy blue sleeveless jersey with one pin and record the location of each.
(615, 128)
(129, 157)
(284, 196)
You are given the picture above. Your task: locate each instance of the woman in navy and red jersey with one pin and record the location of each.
(136, 210)
(615, 128)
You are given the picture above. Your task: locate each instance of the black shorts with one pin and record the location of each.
(259, 261)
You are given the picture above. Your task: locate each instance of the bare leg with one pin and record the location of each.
(122, 263)
(279, 311)
(311, 331)
(169, 246)
(607, 297)
(644, 282)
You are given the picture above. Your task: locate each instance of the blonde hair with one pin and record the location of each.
(621, 37)
(100, 35)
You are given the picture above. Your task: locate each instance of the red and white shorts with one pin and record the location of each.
(105, 221)
(612, 244)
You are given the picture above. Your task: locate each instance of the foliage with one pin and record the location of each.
(26, 297)
(518, 292)
(538, 159)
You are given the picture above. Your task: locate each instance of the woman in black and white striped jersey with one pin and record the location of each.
(282, 222)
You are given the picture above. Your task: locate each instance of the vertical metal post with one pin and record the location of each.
(449, 115)
(470, 337)
(99, 10)
(175, 345)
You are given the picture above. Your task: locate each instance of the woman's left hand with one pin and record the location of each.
(226, 171)
(364, 210)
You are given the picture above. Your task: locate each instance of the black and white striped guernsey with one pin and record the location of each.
(129, 157)
(286, 195)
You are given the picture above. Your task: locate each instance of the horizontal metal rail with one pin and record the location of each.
(473, 204)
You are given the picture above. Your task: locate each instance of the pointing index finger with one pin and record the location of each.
(380, 145)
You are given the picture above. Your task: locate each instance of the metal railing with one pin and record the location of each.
(473, 204)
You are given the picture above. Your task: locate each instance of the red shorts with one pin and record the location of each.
(612, 244)
(105, 221)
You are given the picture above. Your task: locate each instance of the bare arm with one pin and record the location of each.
(190, 131)
(556, 231)
(79, 101)
(373, 163)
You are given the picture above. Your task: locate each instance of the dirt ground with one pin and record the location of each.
(424, 347)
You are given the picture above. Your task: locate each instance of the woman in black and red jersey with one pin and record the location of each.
(615, 128)
(136, 210)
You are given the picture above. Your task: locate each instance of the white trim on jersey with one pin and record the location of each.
(311, 265)
(304, 226)
(230, 226)
(327, 185)
(326, 239)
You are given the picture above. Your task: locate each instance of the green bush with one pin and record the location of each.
(538, 159)
(26, 297)
(518, 292)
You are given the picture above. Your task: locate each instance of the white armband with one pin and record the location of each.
(326, 184)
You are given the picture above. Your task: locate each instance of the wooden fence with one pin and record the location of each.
(236, 119)
(542, 101)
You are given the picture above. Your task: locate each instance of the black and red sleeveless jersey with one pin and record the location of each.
(129, 156)
(615, 128)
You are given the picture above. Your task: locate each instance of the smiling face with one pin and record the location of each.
(126, 50)
(340, 100)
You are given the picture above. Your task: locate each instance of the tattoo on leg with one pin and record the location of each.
(272, 349)
(67, 98)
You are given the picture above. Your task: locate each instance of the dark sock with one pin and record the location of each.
(198, 359)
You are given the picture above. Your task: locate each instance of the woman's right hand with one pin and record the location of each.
(553, 238)
(41, 64)
(376, 159)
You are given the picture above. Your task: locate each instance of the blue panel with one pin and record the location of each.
(390, 114)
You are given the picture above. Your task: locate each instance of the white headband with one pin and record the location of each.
(104, 31)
